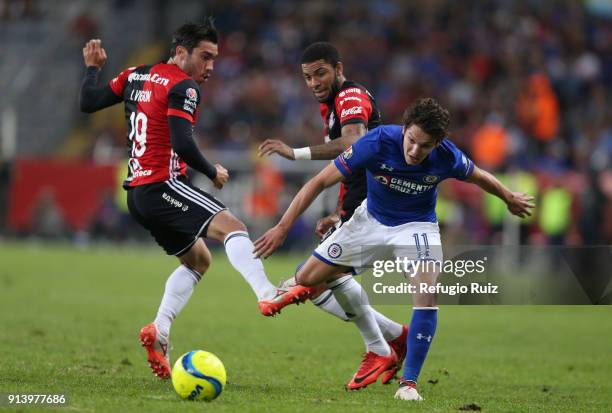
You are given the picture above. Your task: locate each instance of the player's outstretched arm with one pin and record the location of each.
(329, 150)
(93, 98)
(519, 204)
(274, 237)
(183, 144)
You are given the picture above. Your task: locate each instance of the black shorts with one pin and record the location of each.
(175, 212)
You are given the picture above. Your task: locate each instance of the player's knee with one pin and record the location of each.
(234, 225)
(224, 224)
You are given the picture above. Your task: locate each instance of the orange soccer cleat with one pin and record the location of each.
(294, 295)
(372, 366)
(399, 345)
(157, 350)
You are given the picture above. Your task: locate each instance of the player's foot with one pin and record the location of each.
(407, 391)
(372, 366)
(399, 345)
(287, 284)
(157, 350)
(294, 295)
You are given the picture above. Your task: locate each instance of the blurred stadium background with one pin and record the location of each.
(527, 83)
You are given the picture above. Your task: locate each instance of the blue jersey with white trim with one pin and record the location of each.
(399, 193)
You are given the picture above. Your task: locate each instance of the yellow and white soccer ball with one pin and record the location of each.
(198, 375)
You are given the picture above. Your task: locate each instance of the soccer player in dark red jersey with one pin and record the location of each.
(161, 107)
(348, 110)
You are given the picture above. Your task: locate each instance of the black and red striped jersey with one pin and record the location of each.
(352, 103)
(151, 94)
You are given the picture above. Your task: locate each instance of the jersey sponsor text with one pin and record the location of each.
(147, 77)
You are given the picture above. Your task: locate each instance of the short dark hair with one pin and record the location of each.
(428, 115)
(321, 51)
(189, 35)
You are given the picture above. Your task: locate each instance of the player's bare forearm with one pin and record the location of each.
(309, 192)
(519, 204)
(301, 202)
(489, 183)
(275, 236)
(331, 149)
(350, 134)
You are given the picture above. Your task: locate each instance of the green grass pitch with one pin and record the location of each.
(70, 320)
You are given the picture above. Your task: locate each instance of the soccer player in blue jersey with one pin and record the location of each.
(404, 164)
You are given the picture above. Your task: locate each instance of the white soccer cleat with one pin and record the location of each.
(407, 392)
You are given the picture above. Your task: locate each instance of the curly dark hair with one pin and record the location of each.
(321, 51)
(430, 116)
(189, 35)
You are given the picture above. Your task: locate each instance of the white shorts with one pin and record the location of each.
(362, 239)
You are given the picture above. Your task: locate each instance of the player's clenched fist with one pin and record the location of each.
(221, 178)
(94, 54)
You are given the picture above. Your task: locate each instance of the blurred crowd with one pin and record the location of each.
(527, 84)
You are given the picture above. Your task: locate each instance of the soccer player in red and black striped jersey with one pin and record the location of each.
(161, 107)
(348, 110)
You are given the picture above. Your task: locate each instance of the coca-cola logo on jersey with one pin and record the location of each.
(355, 110)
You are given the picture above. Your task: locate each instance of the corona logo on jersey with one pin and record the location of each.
(403, 185)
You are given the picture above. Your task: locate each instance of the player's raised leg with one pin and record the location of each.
(154, 337)
(393, 332)
(229, 230)
(379, 356)
(226, 228)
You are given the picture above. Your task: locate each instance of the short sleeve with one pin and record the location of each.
(353, 105)
(118, 82)
(183, 100)
(462, 166)
(359, 154)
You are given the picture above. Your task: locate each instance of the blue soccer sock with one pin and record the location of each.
(420, 335)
